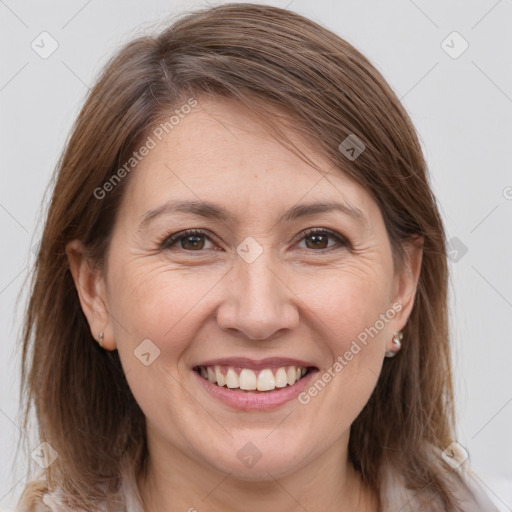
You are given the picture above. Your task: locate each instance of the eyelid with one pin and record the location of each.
(310, 231)
(171, 239)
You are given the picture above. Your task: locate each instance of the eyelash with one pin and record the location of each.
(169, 240)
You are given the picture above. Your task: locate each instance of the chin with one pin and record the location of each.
(253, 462)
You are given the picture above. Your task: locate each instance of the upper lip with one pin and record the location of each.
(256, 364)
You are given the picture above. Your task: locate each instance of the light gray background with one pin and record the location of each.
(462, 108)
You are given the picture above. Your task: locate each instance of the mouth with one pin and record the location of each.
(249, 380)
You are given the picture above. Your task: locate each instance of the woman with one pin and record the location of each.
(240, 296)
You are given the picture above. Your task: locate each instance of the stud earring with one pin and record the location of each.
(100, 336)
(397, 345)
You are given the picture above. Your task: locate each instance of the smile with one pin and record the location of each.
(246, 379)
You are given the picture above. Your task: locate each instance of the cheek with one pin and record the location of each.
(158, 311)
(167, 306)
(155, 299)
(347, 301)
(349, 308)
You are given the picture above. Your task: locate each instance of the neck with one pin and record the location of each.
(176, 482)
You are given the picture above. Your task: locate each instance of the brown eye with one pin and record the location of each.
(192, 241)
(319, 239)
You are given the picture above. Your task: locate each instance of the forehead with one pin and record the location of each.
(219, 152)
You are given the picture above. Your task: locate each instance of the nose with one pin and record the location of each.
(257, 303)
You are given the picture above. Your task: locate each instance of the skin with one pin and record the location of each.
(294, 300)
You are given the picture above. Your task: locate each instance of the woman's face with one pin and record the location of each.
(251, 285)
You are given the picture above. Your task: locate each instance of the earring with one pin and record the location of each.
(397, 338)
(100, 336)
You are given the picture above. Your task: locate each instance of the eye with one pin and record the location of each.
(194, 240)
(190, 240)
(319, 238)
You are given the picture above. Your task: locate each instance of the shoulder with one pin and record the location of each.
(55, 501)
(51, 501)
(463, 484)
(477, 494)
(39, 497)
(46, 501)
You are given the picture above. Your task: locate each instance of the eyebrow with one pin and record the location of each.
(213, 211)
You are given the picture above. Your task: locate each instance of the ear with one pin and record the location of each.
(406, 281)
(91, 290)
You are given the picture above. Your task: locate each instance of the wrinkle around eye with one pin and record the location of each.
(171, 241)
(340, 242)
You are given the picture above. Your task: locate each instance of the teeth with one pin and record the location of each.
(249, 380)
(291, 375)
(232, 380)
(281, 379)
(221, 379)
(266, 380)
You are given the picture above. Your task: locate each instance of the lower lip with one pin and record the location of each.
(247, 401)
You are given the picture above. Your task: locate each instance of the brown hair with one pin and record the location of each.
(272, 60)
